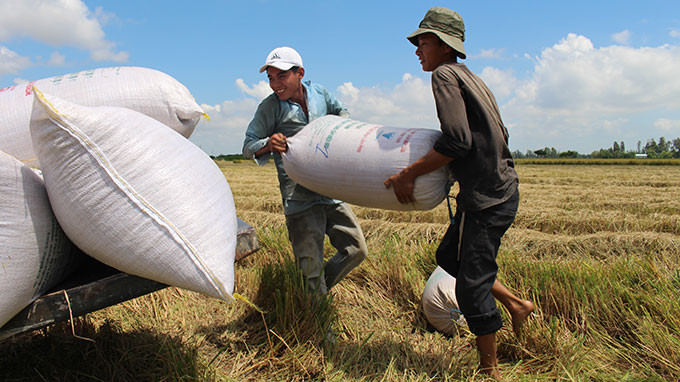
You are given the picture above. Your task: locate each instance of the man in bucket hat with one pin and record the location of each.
(474, 147)
(309, 216)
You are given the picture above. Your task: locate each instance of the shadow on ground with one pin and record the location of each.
(54, 354)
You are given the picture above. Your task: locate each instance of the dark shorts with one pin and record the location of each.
(470, 257)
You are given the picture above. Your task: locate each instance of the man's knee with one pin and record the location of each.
(360, 252)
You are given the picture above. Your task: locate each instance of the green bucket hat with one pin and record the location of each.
(446, 24)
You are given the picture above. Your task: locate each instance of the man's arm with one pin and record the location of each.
(403, 183)
(455, 141)
(275, 144)
(258, 143)
(456, 138)
(334, 105)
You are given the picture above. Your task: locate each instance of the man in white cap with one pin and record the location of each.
(309, 216)
(474, 147)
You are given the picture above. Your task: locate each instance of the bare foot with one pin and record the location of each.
(488, 363)
(491, 372)
(519, 309)
(520, 315)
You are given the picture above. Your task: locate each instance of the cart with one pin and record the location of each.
(95, 286)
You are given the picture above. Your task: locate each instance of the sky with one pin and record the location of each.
(574, 75)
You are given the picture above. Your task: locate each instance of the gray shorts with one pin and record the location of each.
(306, 231)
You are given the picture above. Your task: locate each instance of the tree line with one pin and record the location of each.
(228, 157)
(661, 149)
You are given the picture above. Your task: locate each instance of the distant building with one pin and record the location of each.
(640, 155)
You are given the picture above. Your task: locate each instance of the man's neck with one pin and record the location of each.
(301, 99)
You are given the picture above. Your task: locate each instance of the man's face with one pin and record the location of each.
(431, 51)
(285, 83)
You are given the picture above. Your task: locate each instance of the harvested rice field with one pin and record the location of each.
(596, 247)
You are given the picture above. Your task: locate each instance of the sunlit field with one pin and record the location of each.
(596, 247)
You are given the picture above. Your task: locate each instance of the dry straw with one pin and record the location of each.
(595, 246)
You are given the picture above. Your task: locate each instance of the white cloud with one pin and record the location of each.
(622, 37)
(573, 77)
(231, 114)
(349, 93)
(675, 33)
(260, 90)
(578, 93)
(408, 104)
(225, 131)
(11, 62)
(57, 59)
(667, 124)
(489, 53)
(19, 81)
(502, 83)
(105, 17)
(105, 53)
(577, 97)
(59, 23)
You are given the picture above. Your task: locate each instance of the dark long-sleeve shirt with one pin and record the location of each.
(474, 136)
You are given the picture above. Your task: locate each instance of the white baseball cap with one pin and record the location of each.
(282, 58)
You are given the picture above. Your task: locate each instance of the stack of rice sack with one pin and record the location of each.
(35, 254)
(124, 186)
(144, 90)
(350, 160)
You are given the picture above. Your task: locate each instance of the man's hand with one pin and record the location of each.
(404, 182)
(277, 143)
(403, 185)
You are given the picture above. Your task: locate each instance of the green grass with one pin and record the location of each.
(595, 247)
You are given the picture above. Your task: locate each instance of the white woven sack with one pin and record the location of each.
(350, 160)
(135, 195)
(439, 302)
(35, 254)
(148, 91)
